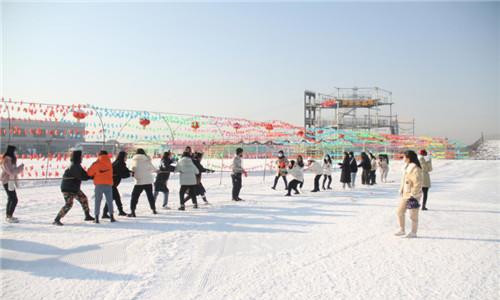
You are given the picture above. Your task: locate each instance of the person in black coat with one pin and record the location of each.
(120, 171)
(345, 175)
(353, 164)
(162, 177)
(200, 189)
(367, 166)
(70, 188)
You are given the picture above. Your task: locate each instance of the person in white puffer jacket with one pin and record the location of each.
(327, 172)
(187, 179)
(315, 168)
(296, 170)
(142, 169)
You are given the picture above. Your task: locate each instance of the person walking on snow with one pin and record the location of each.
(367, 166)
(373, 170)
(102, 173)
(70, 188)
(142, 169)
(383, 166)
(9, 177)
(282, 164)
(327, 171)
(297, 172)
(354, 168)
(200, 189)
(426, 163)
(410, 192)
(120, 171)
(315, 168)
(236, 175)
(345, 175)
(162, 177)
(187, 179)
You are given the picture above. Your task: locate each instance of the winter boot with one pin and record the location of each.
(105, 216)
(112, 219)
(288, 194)
(131, 215)
(88, 217)
(154, 212)
(182, 207)
(96, 220)
(195, 205)
(122, 213)
(57, 221)
(204, 199)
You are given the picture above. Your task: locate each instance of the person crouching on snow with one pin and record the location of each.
(70, 188)
(162, 178)
(200, 189)
(10, 172)
(315, 168)
(297, 173)
(281, 164)
(187, 179)
(102, 173)
(410, 192)
(142, 170)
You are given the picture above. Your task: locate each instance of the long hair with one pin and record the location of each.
(10, 153)
(346, 156)
(292, 164)
(364, 156)
(166, 155)
(328, 159)
(140, 151)
(76, 157)
(412, 156)
(121, 157)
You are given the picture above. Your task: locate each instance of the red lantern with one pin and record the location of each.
(195, 125)
(144, 122)
(269, 126)
(300, 133)
(320, 131)
(341, 136)
(79, 115)
(236, 126)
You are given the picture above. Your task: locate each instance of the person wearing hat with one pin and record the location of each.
(237, 172)
(102, 173)
(281, 164)
(71, 188)
(315, 168)
(426, 163)
(9, 177)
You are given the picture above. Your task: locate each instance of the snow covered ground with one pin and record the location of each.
(329, 245)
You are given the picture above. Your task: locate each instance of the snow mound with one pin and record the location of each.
(489, 150)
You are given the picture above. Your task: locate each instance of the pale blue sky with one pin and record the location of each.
(441, 60)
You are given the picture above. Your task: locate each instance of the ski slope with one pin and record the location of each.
(329, 245)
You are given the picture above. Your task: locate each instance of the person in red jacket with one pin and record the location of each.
(102, 173)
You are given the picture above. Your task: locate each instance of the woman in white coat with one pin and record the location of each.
(296, 170)
(410, 192)
(327, 172)
(187, 179)
(142, 170)
(315, 168)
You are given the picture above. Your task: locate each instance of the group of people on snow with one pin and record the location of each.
(107, 175)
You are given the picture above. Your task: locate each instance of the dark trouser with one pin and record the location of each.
(191, 190)
(316, 182)
(11, 200)
(236, 178)
(373, 176)
(68, 199)
(293, 186)
(325, 177)
(136, 192)
(425, 190)
(301, 184)
(118, 201)
(365, 177)
(276, 181)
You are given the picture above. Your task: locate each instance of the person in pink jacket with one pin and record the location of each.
(10, 172)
